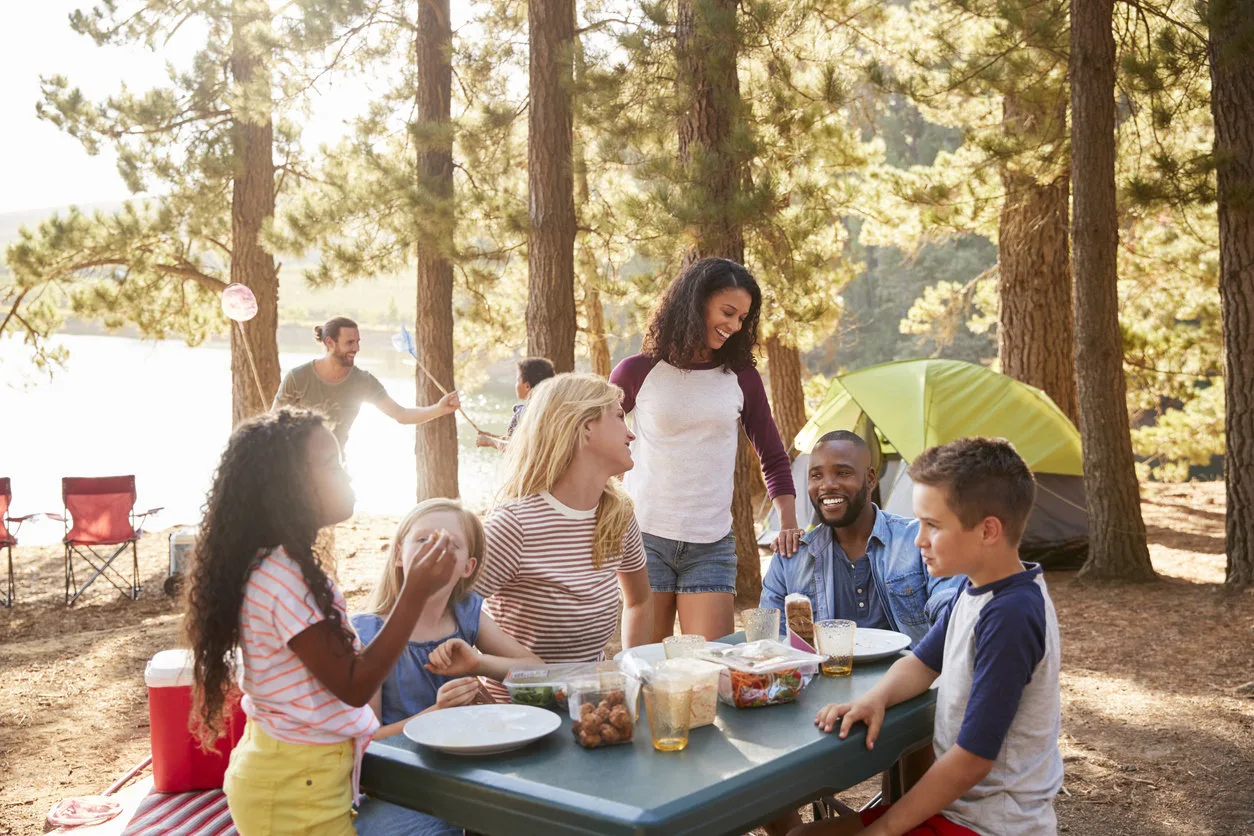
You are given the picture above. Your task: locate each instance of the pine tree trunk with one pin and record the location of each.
(252, 204)
(709, 89)
(748, 558)
(1117, 548)
(788, 398)
(593, 312)
(551, 251)
(435, 445)
(1035, 328)
(1232, 103)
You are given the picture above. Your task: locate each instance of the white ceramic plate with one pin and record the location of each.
(871, 645)
(481, 729)
(654, 653)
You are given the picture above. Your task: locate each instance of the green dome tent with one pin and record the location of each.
(915, 404)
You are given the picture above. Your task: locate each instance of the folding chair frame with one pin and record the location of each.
(103, 563)
(10, 595)
(104, 567)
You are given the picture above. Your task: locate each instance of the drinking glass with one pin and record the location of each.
(761, 623)
(834, 639)
(683, 647)
(668, 702)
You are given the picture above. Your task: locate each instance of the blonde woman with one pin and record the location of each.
(562, 541)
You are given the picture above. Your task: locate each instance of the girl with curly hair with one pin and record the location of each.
(261, 606)
(688, 392)
(562, 542)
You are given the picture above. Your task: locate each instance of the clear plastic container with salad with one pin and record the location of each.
(548, 686)
(762, 673)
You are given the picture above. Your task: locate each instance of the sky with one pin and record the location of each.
(39, 165)
(42, 167)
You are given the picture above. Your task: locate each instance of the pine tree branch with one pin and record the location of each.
(186, 270)
(13, 311)
(1164, 16)
(177, 26)
(169, 126)
(1207, 375)
(593, 27)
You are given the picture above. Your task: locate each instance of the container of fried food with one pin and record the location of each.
(599, 712)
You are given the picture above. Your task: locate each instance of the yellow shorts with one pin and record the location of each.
(275, 788)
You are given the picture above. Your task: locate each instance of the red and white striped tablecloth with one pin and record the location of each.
(201, 813)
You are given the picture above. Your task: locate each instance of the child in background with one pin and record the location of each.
(531, 372)
(438, 668)
(995, 650)
(256, 584)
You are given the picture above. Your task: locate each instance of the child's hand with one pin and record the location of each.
(484, 440)
(431, 568)
(453, 658)
(464, 691)
(866, 711)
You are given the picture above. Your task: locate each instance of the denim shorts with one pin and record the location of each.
(676, 566)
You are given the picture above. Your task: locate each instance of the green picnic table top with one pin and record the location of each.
(745, 769)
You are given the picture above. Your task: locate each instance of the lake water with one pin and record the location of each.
(162, 411)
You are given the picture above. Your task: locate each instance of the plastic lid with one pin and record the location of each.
(531, 676)
(169, 669)
(689, 668)
(184, 533)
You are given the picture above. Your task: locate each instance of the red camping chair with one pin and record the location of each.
(8, 535)
(99, 514)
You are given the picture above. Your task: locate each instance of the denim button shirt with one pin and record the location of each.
(912, 598)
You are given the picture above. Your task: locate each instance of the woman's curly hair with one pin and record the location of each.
(676, 331)
(260, 500)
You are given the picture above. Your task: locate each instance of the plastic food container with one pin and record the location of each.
(704, 678)
(799, 615)
(546, 686)
(178, 764)
(599, 712)
(538, 685)
(762, 673)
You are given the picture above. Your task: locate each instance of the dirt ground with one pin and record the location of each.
(1157, 740)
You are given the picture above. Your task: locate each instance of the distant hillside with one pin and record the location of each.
(10, 222)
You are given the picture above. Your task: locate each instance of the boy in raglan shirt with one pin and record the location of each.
(995, 650)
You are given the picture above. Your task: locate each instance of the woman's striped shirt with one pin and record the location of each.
(539, 581)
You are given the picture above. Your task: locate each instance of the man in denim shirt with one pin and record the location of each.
(862, 564)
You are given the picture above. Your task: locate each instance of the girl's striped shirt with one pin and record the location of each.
(281, 695)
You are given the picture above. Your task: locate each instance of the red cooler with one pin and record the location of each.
(178, 763)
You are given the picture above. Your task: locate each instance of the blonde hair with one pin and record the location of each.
(544, 445)
(386, 592)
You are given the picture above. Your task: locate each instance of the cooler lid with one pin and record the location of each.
(183, 535)
(169, 669)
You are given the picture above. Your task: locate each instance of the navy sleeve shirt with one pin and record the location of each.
(1009, 637)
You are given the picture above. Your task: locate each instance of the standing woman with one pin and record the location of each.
(688, 393)
(562, 543)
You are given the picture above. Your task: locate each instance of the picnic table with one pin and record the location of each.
(744, 770)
